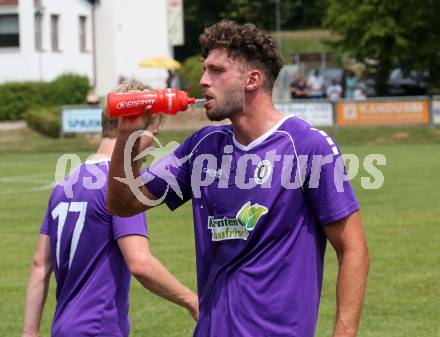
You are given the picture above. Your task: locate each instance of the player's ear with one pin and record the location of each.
(254, 80)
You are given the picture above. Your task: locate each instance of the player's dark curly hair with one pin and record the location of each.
(246, 43)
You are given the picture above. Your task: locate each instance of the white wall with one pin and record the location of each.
(128, 31)
(26, 63)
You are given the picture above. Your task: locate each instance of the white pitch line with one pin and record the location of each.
(24, 177)
(27, 190)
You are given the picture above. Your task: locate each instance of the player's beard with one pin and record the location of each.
(230, 103)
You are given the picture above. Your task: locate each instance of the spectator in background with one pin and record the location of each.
(170, 79)
(315, 84)
(174, 80)
(122, 79)
(350, 84)
(359, 92)
(298, 87)
(334, 90)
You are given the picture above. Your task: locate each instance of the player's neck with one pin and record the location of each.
(106, 147)
(258, 117)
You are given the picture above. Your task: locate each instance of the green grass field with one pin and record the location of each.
(303, 41)
(401, 220)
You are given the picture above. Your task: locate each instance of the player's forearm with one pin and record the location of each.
(156, 278)
(350, 291)
(122, 166)
(35, 299)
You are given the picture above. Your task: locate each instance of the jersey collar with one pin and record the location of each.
(96, 159)
(260, 139)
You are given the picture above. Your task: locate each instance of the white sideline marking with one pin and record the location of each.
(41, 180)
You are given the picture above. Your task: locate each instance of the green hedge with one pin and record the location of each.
(18, 97)
(192, 70)
(45, 120)
(69, 89)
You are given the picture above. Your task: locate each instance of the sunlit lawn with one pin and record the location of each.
(401, 220)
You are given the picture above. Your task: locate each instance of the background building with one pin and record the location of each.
(103, 40)
(39, 40)
(126, 32)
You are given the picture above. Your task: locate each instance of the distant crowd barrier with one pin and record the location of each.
(383, 111)
(435, 110)
(314, 112)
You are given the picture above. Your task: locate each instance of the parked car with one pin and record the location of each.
(413, 84)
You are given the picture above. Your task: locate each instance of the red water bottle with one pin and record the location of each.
(169, 101)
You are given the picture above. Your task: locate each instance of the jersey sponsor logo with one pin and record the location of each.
(238, 227)
(213, 172)
(262, 172)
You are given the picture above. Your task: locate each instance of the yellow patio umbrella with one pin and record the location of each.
(159, 62)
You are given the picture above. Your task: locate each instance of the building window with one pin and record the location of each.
(39, 31)
(9, 30)
(82, 33)
(54, 25)
(8, 2)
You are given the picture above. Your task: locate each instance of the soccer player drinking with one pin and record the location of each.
(268, 191)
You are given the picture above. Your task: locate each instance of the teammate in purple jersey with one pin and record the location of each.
(267, 193)
(92, 253)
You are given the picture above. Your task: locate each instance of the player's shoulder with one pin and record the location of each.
(212, 130)
(307, 138)
(208, 135)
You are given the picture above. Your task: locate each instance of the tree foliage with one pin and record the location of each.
(200, 13)
(386, 34)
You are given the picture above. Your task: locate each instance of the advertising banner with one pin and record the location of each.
(81, 119)
(390, 112)
(436, 110)
(315, 113)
